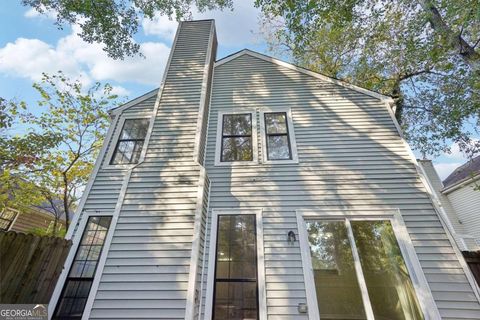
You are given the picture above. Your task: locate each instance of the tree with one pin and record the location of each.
(422, 53)
(77, 120)
(114, 22)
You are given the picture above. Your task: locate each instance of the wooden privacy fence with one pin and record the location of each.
(30, 266)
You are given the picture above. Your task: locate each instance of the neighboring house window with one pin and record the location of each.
(237, 144)
(359, 271)
(7, 217)
(278, 139)
(130, 142)
(236, 285)
(80, 278)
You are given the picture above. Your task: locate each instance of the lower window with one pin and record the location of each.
(80, 278)
(236, 289)
(359, 270)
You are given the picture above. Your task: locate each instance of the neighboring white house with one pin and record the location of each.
(459, 196)
(249, 188)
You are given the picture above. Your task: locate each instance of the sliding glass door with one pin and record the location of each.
(359, 271)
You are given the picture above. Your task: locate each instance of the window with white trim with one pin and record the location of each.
(236, 137)
(130, 142)
(237, 144)
(7, 216)
(76, 289)
(278, 137)
(359, 270)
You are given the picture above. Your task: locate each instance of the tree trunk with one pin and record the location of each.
(398, 97)
(453, 39)
(65, 201)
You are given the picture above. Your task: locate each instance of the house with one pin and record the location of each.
(459, 196)
(29, 219)
(249, 188)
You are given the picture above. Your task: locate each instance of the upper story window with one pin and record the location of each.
(130, 142)
(278, 138)
(237, 137)
(278, 141)
(237, 142)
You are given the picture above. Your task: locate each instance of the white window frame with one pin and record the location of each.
(71, 255)
(114, 142)
(262, 294)
(291, 136)
(218, 145)
(420, 284)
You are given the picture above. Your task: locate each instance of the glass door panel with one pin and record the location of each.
(336, 283)
(390, 289)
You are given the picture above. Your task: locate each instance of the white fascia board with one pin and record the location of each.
(304, 71)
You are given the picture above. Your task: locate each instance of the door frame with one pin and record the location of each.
(262, 295)
(419, 281)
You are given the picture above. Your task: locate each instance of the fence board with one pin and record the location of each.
(30, 266)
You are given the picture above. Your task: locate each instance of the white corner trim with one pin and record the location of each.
(218, 145)
(304, 71)
(291, 136)
(197, 226)
(419, 281)
(262, 293)
(203, 94)
(118, 110)
(443, 217)
(120, 121)
(71, 255)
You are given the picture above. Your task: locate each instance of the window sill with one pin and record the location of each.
(292, 161)
(236, 163)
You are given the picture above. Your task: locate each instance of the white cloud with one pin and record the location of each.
(120, 91)
(160, 26)
(32, 13)
(28, 58)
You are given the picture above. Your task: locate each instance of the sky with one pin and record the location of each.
(30, 44)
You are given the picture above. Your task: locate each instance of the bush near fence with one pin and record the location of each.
(30, 266)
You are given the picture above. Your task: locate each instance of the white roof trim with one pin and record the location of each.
(133, 102)
(304, 71)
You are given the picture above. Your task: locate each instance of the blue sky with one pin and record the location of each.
(31, 44)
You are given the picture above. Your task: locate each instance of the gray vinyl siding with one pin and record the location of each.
(453, 216)
(147, 268)
(466, 202)
(350, 156)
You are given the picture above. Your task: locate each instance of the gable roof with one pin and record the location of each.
(463, 173)
(304, 71)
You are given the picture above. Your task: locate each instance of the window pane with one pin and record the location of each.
(236, 268)
(237, 149)
(336, 283)
(389, 286)
(134, 129)
(278, 148)
(276, 122)
(237, 124)
(235, 300)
